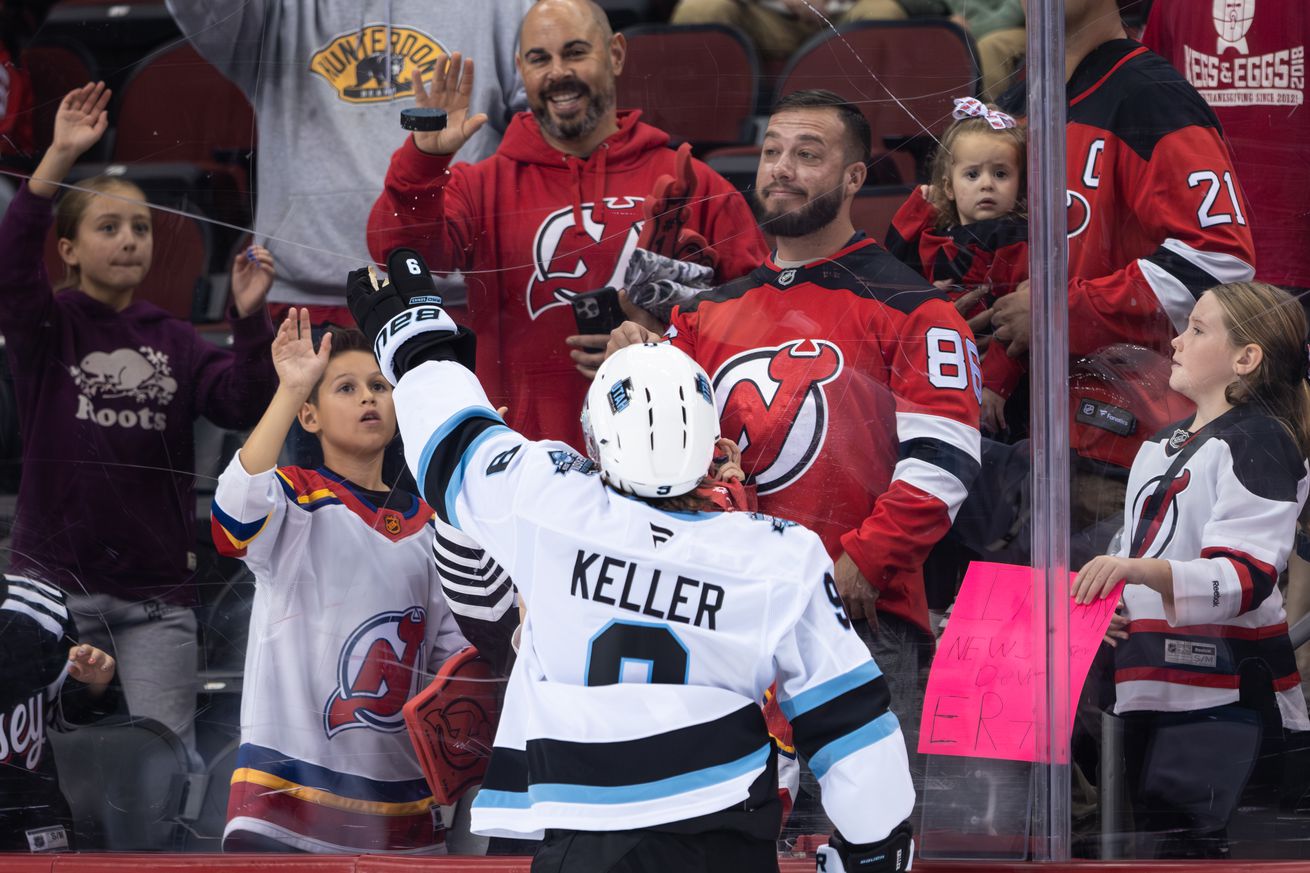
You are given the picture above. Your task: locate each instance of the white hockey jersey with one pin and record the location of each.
(348, 623)
(1226, 526)
(650, 639)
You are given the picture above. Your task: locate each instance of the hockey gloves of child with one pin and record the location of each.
(403, 318)
(892, 855)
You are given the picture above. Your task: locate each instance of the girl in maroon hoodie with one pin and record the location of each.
(107, 390)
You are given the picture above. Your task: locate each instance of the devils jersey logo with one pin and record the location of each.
(568, 260)
(771, 401)
(379, 668)
(1160, 529)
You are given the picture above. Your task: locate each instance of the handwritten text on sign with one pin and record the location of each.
(986, 694)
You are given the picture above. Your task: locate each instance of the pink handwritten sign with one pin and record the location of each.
(986, 694)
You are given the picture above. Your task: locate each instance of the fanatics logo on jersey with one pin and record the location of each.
(566, 259)
(660, 535)
(358, 65)
(772, 402)
(379, 668)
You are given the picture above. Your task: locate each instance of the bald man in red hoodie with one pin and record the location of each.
(556, 211)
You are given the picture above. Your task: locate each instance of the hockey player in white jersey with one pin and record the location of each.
(632, 736)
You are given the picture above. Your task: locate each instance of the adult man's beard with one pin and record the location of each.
(814, 215)
(598, 103)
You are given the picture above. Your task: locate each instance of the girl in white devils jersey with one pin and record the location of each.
(1212, 509)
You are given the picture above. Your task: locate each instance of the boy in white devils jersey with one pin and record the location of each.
(632, 737)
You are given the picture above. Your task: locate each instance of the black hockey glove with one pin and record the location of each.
(403, 318)
(892, 855)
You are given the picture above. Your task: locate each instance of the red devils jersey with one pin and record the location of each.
(1247, 60)
(1226, 526)
(531, 227)
(1156, 216)
(852, 390)
(993, 252)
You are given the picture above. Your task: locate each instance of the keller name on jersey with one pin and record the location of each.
(1232, 76)
(362, 70)
(626, 585)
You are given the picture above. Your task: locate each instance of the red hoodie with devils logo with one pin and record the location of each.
(531, 227)
(852, 389)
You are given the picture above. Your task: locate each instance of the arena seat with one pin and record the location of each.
(56, 67)
(698, 82)
(902, 74)
(178, 277)
(176, 108)
(874, 207)
(130, 785)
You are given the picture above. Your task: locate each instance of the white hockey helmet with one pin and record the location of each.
(650, 421)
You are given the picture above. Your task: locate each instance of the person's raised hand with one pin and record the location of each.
(252, 276)
(81, 120)
(991, 412)
(449, 89)
(298, 366)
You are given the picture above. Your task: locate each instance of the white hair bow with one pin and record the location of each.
(971, 107)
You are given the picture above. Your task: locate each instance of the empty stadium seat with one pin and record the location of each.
(178, 107)
(874, 207)
(129, 784)
(178, 277)
(698, 82)
(56, 67)
(903, 75)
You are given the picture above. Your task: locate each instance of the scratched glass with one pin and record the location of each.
(269, 702)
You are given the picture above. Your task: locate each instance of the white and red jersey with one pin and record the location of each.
(852, 389)
(1248, 62)
(1156, 216)
(348, 623)
(531, 227)
(1226, 526)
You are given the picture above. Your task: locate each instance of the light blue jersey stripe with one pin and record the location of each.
(880, 728)
(555, 792)
(830, 690)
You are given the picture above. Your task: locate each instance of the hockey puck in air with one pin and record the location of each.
(427, 120)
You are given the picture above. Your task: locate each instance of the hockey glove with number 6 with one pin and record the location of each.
(892, 855)
(403, 318)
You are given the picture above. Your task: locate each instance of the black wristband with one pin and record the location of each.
(423, 120)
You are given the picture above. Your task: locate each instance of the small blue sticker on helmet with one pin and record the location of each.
(620, 395)
(703, 388)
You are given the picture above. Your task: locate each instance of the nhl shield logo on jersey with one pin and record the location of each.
(379, 668)
(362, 70)
(391, 522)
(771, 401)
(568, 260)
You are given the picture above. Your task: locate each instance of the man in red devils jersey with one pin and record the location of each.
(556, 211)
(1156, 216)
(849, 383)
